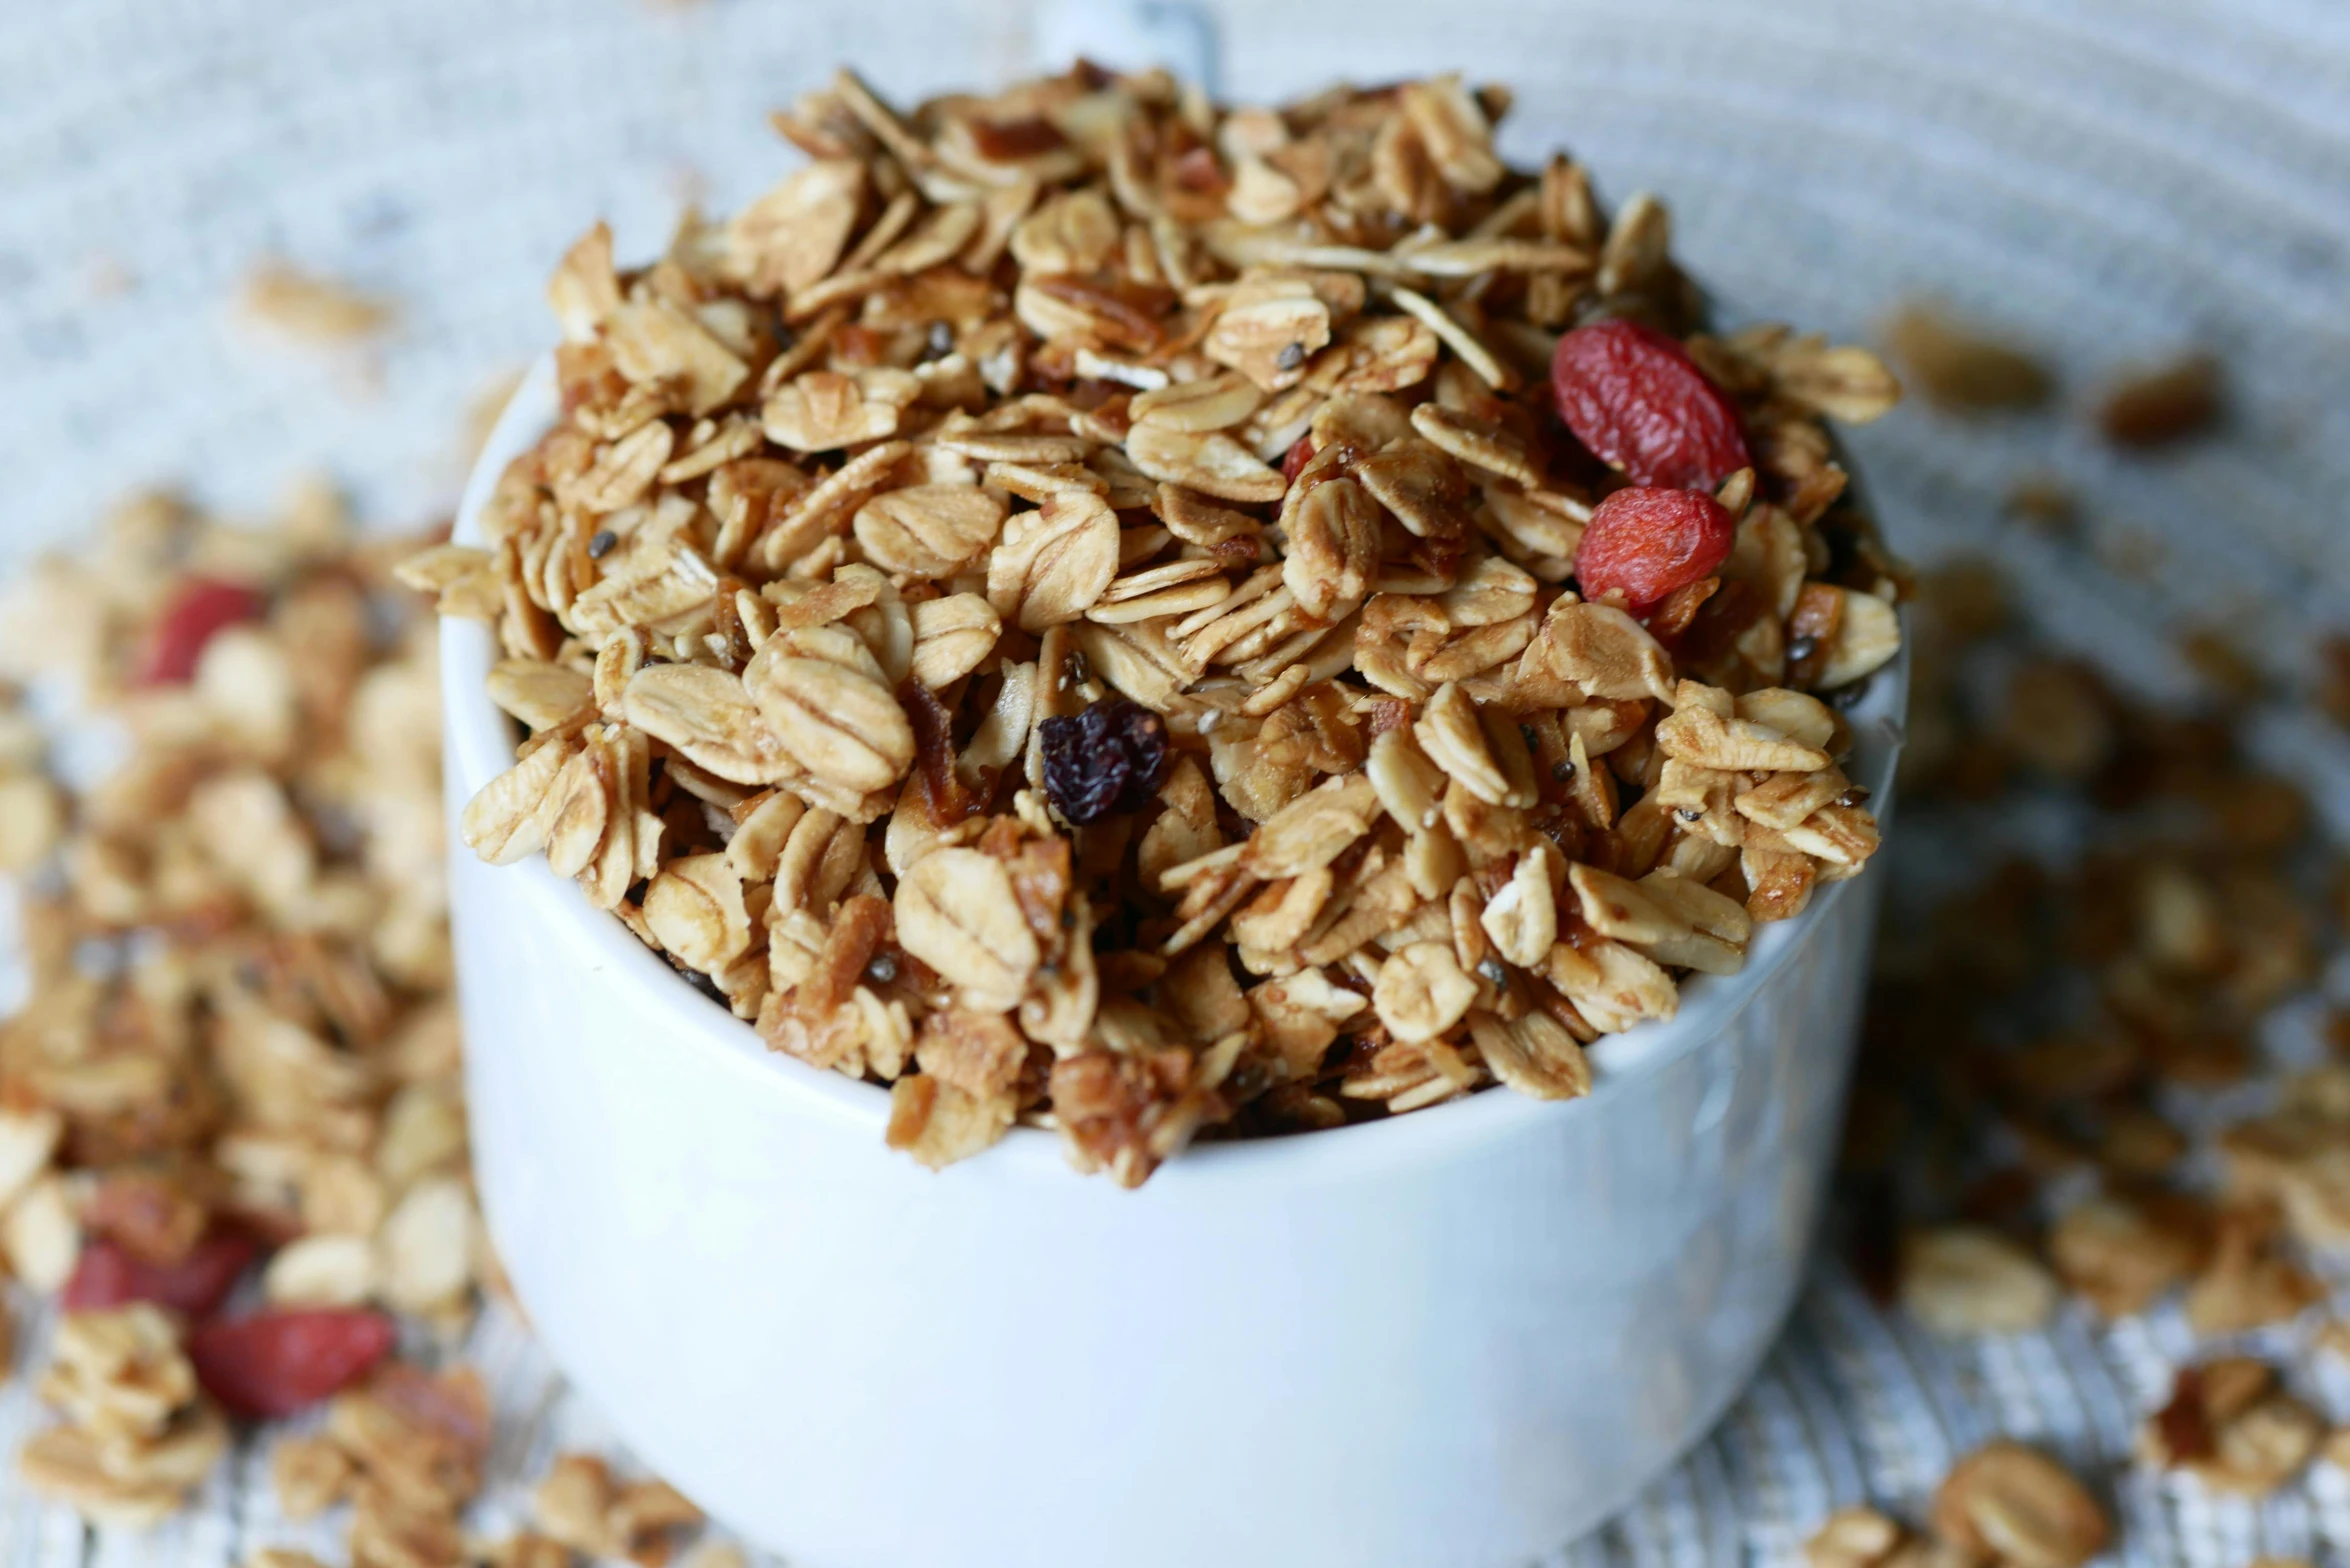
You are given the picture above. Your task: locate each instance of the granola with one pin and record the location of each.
(2064, 1083)
(138, 1436)
(1092, 399)
(2229, 1423)
(238, 1059)
(2005, 1504)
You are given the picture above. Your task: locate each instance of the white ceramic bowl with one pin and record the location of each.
(1458, 1337)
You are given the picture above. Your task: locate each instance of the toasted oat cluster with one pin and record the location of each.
(1098, 609)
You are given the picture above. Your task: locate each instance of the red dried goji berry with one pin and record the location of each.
(109, 1276)
(1646, 543)
(275, 1363)
(1301, 452)
(200, 608)
(1639, 402)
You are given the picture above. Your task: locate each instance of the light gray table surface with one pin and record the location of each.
(2112, 180)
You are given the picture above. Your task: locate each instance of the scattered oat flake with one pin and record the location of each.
(1962, 367)
(2164, 405)
(313, 307)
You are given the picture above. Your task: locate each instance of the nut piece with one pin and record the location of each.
(939, 1123)
(2016, 1504)
(957, 913)
(1699, 736)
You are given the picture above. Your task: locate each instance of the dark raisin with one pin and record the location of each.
(600, 545)
(940, 343)
(1291, 356)
(1110, 758)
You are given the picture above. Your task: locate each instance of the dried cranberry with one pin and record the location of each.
(1638, 401)
(275, 1363)
(108, 1276)
(1301, 452)
(1646, 543)
(1110, 758)
(200, 608)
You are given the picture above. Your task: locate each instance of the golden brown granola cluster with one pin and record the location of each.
(1067, 606)
(2005, 1505)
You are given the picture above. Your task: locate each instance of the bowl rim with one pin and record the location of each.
(478, 745)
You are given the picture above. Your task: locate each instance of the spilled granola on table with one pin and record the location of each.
(2105, 1083)
(236, 1071)
(232, 1131)
(1096, 608)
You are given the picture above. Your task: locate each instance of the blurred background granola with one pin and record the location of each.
(2107, 242)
